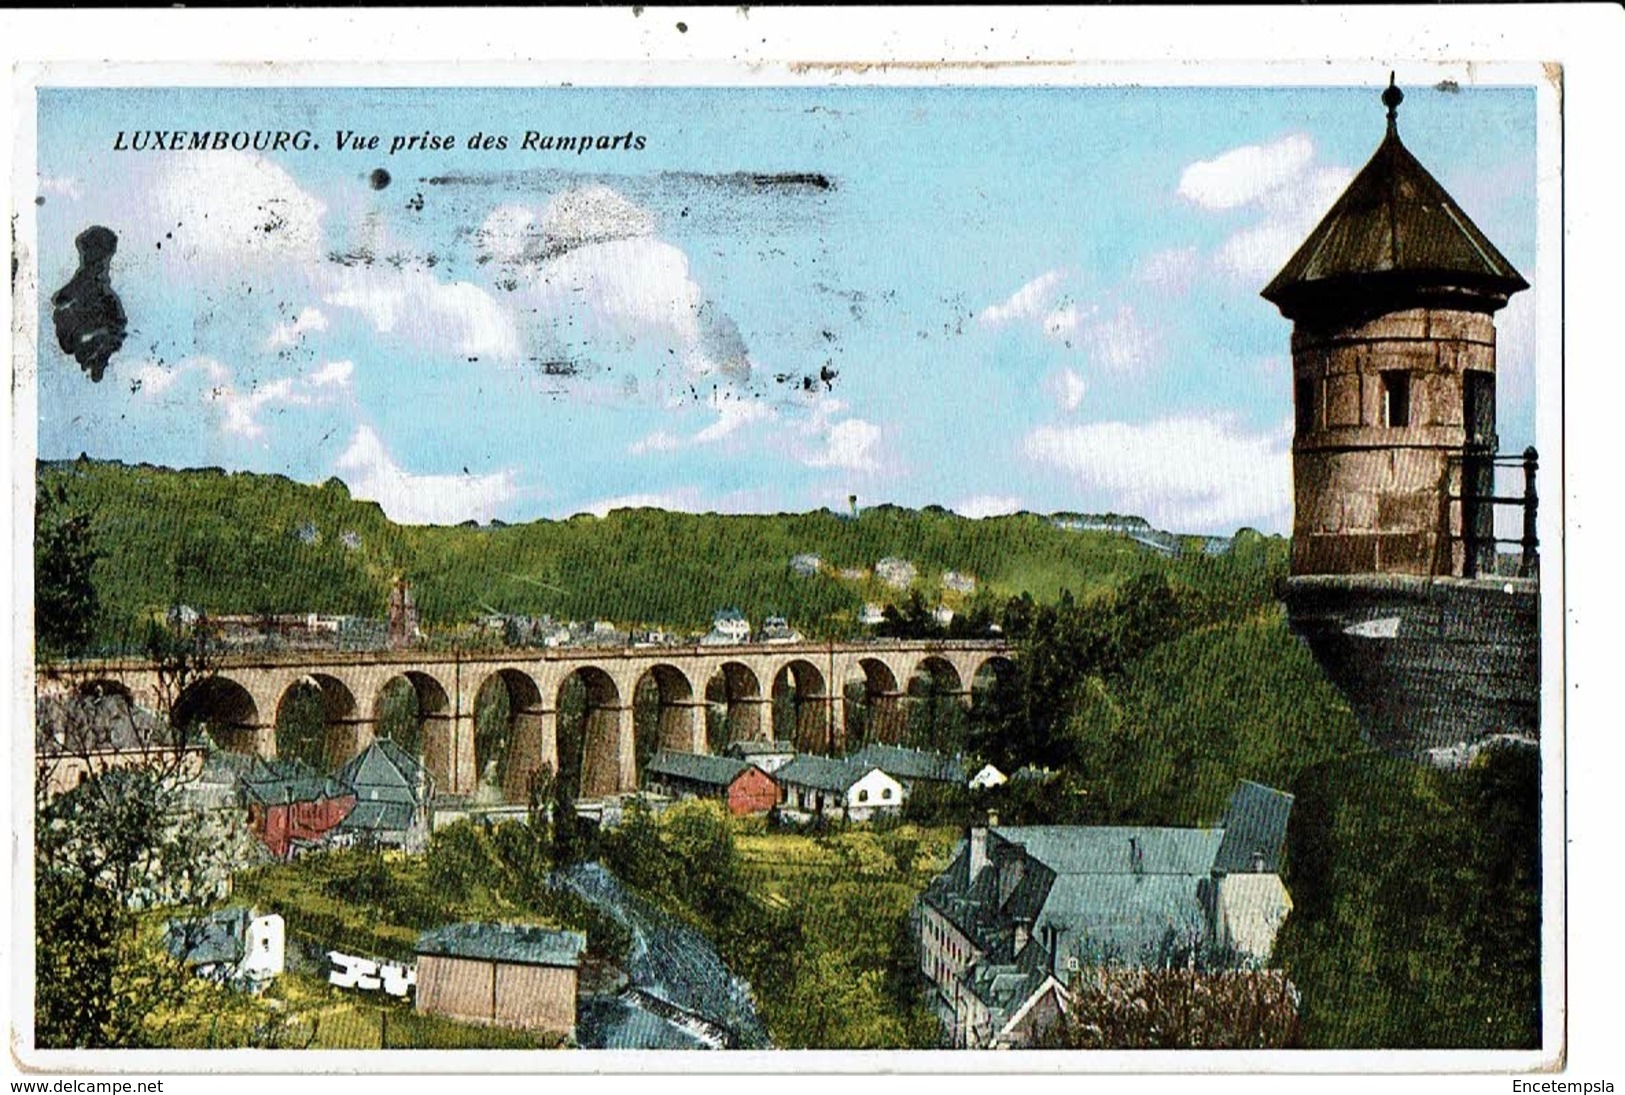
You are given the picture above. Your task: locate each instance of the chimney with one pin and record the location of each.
(1010, 860)
(1136, 855)
(976, 838)
(1024, 932)
(1258, 861)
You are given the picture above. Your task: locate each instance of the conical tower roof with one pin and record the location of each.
(1394, 233)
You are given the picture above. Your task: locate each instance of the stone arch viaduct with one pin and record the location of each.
(239, 699)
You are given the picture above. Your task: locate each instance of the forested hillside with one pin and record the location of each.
(245, 543)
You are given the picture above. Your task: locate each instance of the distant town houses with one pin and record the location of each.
(291, 806)
(392, 791)
(872, 614)
(958, 583)
(234, 946)
(742, 786)
(896, 573)
(844, 789)
(911, 767)
(728, 627)
(987, 777)
(776, 629)
(77, 737)
(806, 565)
(1021, 909)
(510, 975)
(769, 756)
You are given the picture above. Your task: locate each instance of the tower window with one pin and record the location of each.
(1396, 399)
(1305, 391)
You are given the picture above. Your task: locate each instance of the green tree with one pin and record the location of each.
(66, 603)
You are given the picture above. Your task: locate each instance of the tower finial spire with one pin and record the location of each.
(1391, 98)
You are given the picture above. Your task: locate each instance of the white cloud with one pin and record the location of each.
(308, 319)
(1187, 474)
(679, 501)
(731, 415)
(154, 379)
(412, 499)
(641, 288)
(1029, 302)
(659, 441)
(1259, 250)
(417, 307)
(1245, 174)
(1114, 339)
(849, 444)
(334, 373)
(239, 410)
(1067, 389)
(1171, 270)
(989, 505)
(238, 207)
(1288, 190)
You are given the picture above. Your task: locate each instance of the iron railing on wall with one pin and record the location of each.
(1478, 466)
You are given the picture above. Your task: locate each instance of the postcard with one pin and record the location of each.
(707, 566)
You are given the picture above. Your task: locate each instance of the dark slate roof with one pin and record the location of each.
(1394, 226)
(1255, 822)
(209, 940)
(749, 748)
(696, 767)
(384, 772)
(521, 944)
(376, 817)
(911, 764)
(822, 773)
(71, 723)
(282, 780)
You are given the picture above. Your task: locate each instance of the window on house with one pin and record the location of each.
(863, 796)
(1305, 393)
(885, 792)
(1396, 399)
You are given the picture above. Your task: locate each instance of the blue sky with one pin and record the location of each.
(1003, 299)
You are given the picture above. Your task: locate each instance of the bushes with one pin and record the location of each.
(1417, 893)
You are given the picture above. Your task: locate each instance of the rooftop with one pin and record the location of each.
(1395, 227)
(519, 944)
(696, 767)
(822, 773)
(915, 764)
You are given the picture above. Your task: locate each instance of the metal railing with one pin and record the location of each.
(1477, 509)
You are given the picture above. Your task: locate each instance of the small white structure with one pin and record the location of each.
(959, 583)
(895, 572)
(769, 756)
(352, 971)
(807, 565)
(871, 615)
(837, 788)
(1251, 910)
(778, 630)
(943, 615)
(988, 776)
(728, 627)
(232, 946)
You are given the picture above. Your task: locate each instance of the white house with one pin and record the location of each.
(837, 788)
(896, 573)
(988, 776)
(728, 626)
(871, 615)
(230, 945)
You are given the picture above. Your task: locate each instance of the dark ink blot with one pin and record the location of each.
(90, 320)
(378, 179)
(682, 28)
(39, 199)
(360, 257)
(815, 180)
(415, 203)
(560, 367)
(1447, 85)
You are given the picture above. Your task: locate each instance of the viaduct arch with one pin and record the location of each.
(801, 687)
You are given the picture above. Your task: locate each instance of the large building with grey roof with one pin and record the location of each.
(1023, 908)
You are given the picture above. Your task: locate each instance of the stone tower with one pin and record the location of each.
(1393, 363)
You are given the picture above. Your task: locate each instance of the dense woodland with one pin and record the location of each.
(1146, 686)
